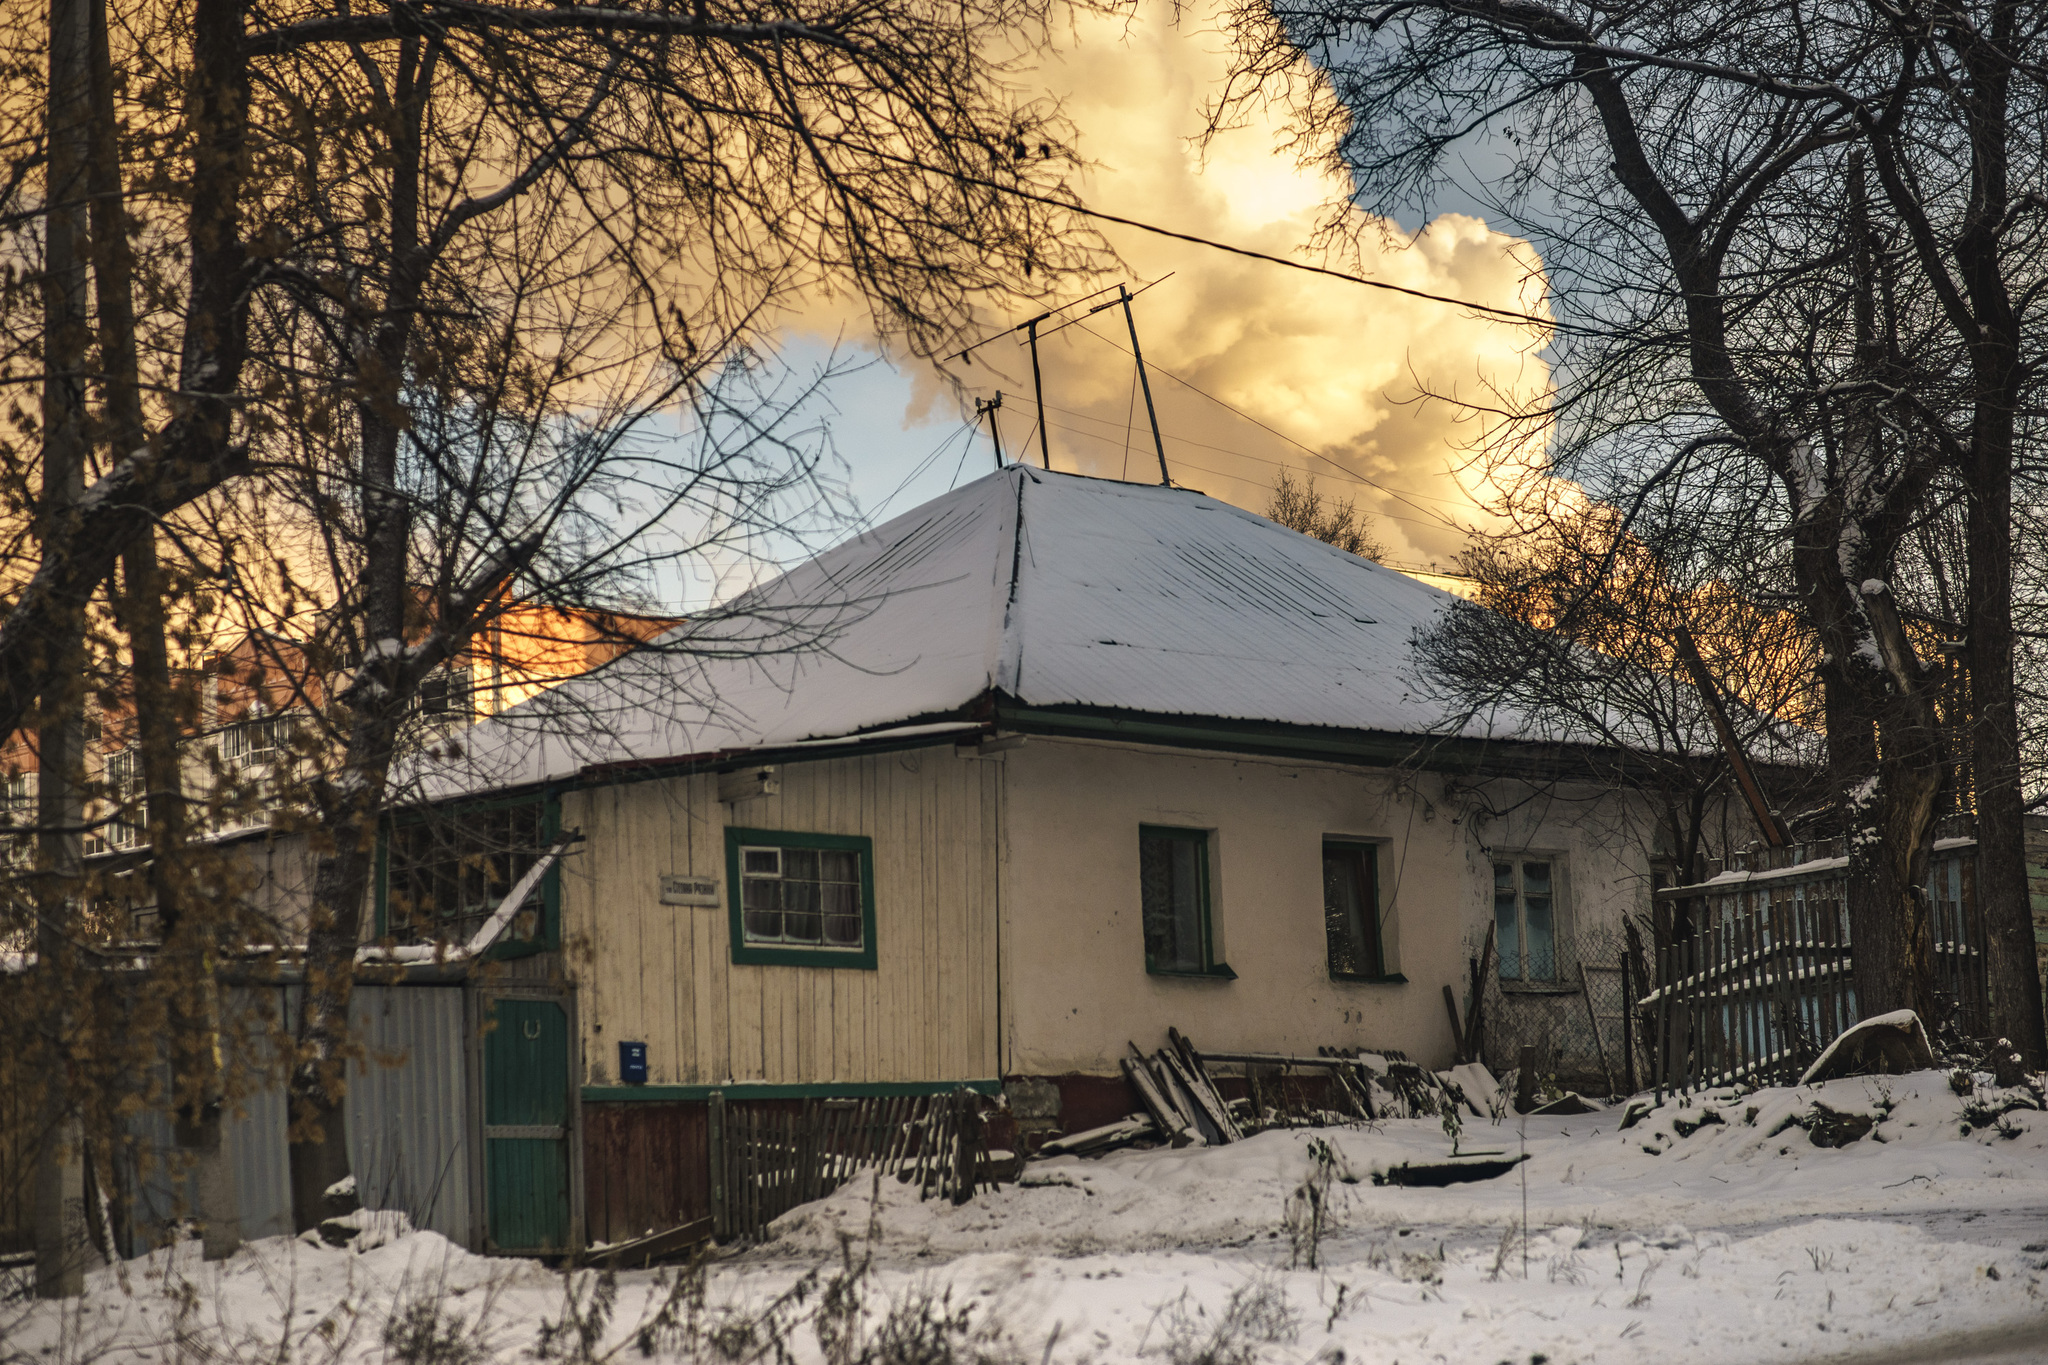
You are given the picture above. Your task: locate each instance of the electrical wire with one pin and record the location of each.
(1051, 201)
(1310, 451)
(1434, 524)
(869, 519)
(1342, 476)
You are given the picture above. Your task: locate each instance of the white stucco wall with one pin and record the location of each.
(1075, 986)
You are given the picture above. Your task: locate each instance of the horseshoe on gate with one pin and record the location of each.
(531, 1028)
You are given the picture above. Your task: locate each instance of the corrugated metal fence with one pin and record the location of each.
(408, 1123)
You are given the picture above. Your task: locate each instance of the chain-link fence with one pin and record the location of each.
(1576, 1023)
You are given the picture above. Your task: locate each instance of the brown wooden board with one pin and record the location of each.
(1156, 1104)
(1205, 1086)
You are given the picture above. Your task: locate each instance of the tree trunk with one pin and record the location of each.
(2011, 969)
(352, 811)
(1852, 764)
(1995, 347)
(194, 1023)
(61, 1243)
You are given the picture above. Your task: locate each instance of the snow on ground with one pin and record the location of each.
(1731, 1239)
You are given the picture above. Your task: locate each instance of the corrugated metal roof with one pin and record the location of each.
(1055, 588)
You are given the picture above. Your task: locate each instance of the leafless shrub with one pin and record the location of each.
(1300, 507)
(425, 1331)
(1257, 1314)
(1641, 1298)
(1307, 1212)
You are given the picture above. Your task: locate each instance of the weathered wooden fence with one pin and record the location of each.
(765, 1162)
(1753, 967)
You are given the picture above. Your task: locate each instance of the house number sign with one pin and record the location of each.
(679, 889)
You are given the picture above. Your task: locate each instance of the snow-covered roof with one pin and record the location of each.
(1053, 589)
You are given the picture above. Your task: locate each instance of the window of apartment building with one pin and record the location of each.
(1525, 916)
(124, 783)
(448, 691)
(1173, 889)
(447, 869)
(21, 798)
(18, 850)
(801, 900)
(260, 739)
(1351, 911)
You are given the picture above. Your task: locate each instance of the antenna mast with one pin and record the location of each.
(1124, 297)
(992, 407)
(1038, 386)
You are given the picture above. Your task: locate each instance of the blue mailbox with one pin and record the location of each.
(633, 1063)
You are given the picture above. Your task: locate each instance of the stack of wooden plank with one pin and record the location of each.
(1184, 1106)
(1179, 1096)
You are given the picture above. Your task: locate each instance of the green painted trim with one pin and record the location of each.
(1211, 968)
(1390, 979)
(746, 954)
(1217, 971)
(801, 1090)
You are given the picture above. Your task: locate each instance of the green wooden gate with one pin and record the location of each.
(526, 1127)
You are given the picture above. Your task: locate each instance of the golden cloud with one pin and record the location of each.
(1338, 367)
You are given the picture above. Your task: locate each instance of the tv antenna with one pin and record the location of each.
(991, 406)
(1029, 327)
(1122, 300)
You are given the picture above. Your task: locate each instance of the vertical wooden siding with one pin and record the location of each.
(646, 1168)
(664, 974)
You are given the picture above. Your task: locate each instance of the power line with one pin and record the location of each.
(869, 518)
(1310, 451)
(1343, 475)
(1050, 201)
(1225, 474)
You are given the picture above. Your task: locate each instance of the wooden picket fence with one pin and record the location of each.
(765, 1161)
(1765, 979)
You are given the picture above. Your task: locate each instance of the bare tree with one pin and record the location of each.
(413, 283)
(1302, 507)
(1750, 329)
(1592, 642)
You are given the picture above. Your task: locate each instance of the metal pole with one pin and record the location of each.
(1124, 297)
(995, 435)
(1038, 387)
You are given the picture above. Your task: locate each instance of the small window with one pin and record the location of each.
(1173, 880)
(1351, 911)
(265, 739)
(21, 798)
(124, 773)
(448, 869)
(804, 896)
(802, 899)
(1525, 919)
(447, 692)
(124, 783)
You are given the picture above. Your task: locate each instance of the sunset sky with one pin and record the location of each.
(1333, 366)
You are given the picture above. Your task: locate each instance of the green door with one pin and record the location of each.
(526, 1127)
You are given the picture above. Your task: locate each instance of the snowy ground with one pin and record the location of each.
(1735, 1241)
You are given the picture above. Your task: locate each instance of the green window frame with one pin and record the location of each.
(752, 951)
(1352, 927)
(1528, 906)
(1174, 903)
(516, 831)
